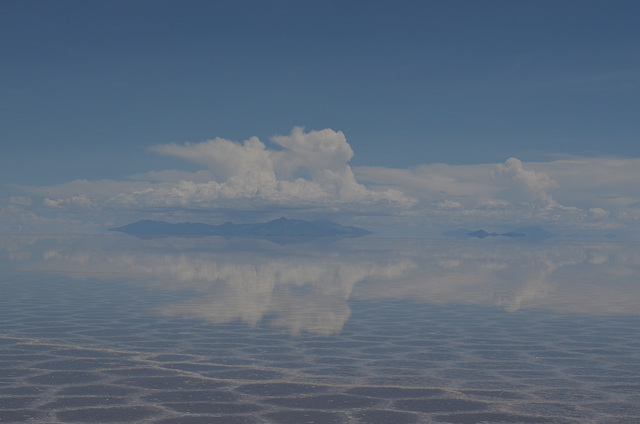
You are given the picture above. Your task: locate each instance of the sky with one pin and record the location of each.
(407, 118)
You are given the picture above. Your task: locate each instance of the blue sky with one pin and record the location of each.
(99, 98)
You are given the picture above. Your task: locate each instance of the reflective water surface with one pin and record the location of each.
(201, 330)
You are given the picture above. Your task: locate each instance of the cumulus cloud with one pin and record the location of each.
(309, 172)
(576, 193)
(310, 168)
(472, 194)
(609, 183)
(316, 151)
(78, 201)
(523, 185)
(226, 159)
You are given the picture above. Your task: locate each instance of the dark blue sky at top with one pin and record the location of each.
(86, 87)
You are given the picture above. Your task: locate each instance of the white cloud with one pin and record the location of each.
(19, 219)
(578, 193)
(15, 218)
(312, 167)
(434, 180)
(598, 213)
(20, 201)
(521, 185)
(50, 203)
(316, 151)
(609, 183)
(448, 204)
(225, 158)
(309, 172)
(78, 201)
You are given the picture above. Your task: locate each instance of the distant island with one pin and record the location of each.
(524, 233)
(277, 229)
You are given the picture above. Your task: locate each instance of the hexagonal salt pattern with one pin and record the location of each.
(94, 351)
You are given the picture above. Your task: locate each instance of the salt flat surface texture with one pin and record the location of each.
(203, 330)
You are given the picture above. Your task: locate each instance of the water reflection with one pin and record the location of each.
(307, 288)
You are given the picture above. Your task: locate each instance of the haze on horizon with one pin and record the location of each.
(405, 119)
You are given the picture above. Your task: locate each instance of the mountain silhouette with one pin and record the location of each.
(524, 233)
(278, 228)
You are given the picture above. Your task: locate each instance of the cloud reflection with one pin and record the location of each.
(307, 288)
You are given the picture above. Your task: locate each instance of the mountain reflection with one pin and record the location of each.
(307, 288)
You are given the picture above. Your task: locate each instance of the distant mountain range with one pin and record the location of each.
(524, 233)
(276, 229)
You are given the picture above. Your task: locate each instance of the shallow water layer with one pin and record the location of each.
(202, 330)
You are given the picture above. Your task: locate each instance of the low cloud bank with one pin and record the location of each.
(309, 172)
(577, 193)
